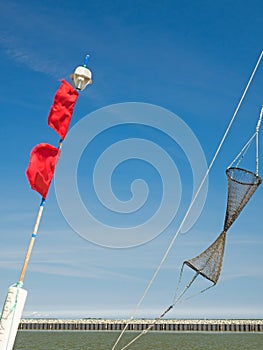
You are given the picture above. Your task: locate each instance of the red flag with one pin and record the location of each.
(41, 168)
(62, 109)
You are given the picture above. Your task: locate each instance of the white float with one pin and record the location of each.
(11, 315)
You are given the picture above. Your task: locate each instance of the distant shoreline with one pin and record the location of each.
(182, 325)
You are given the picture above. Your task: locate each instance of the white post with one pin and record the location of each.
(11, 315)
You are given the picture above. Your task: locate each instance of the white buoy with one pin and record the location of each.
(11, 315)
(82, 76)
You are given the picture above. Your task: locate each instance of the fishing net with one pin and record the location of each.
(209, 263)
(241, 186)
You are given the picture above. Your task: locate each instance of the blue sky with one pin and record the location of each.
(192, 58)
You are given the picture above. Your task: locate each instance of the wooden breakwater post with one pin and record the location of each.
(140, 325)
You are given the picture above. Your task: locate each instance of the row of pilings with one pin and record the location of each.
(140, 325)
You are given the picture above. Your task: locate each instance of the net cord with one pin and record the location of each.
(257, 143)
(179, 297)
(192, 202)
(235, 163)
(244, 150)
(176, 301)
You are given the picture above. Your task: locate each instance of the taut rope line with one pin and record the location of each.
(192, 202)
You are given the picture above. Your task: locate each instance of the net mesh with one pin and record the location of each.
(241, 186)
(209, 262)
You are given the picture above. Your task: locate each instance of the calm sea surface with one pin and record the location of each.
(74, 340)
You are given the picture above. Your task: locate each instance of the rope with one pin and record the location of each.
(138, 336)
(242, 153)
(244, 150)
(176, 301)
(201, 292)
(179, 281)
(192, 202)
(145, 331)
(257, 130)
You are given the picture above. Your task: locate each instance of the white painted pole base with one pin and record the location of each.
(11, 316)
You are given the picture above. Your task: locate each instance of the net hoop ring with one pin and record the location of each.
(249, 175)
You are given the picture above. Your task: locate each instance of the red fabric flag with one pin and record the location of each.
(62, 109)
(41, 168)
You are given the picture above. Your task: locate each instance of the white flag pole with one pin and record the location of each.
(16, 295)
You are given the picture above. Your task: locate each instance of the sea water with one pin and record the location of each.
(81, 340)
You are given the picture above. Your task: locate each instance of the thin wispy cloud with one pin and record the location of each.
(57, 262)
(29, 58)
(12, 39)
